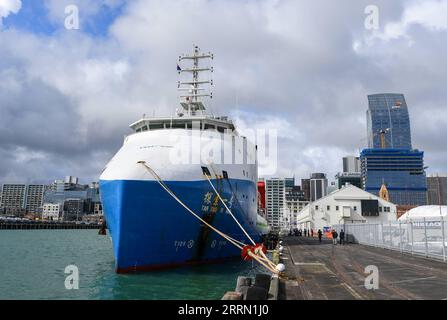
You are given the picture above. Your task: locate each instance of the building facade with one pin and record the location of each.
(318, 186)
(294, 203)
(74, 209)
(275, 191)
(351, 164)
(52, 211)
(402, 171)
(305, 187)
(437, 189)
(13, 199)
(346, 205)
(34, 198)
(76, 199)
(388, 112)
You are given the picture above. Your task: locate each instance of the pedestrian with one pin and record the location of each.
(342, 236)
(305, 232)
(320, 235)
(312, 232)
(334, 236)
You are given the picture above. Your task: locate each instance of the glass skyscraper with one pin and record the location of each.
(395, 164)
(388, 112)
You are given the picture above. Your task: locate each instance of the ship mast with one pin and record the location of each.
(191, 101)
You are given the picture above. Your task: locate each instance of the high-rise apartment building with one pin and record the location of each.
(437, 189)
(34, 198)
(351, 164)
(13, 199)
(275, 190)
(318, 186)
(305, 187)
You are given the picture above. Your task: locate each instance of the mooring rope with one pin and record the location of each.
(261, 253)
(166, 188)
(263, 260)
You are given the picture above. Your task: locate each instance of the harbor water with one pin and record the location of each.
(32, 266)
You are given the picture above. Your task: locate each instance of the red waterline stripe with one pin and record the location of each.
(158, 267)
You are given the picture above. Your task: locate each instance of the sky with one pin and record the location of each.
(304, 68)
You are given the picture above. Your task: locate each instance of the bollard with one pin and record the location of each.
(262, 281)
(256, 293)
(230, 295)
(242, 282)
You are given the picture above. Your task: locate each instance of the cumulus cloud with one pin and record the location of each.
(7, 7)
(430, 15)
(67, 99)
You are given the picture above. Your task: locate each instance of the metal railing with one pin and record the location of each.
(426, 237)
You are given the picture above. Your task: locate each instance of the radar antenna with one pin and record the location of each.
(191, 101)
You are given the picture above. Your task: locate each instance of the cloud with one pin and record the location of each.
(7, 7)
(429, 15)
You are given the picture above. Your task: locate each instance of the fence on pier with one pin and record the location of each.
(40, 226)
(425, 237)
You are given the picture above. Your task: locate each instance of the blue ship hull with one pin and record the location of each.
(151, 230)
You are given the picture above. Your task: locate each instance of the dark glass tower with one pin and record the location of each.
(388, 112)
(402, 171)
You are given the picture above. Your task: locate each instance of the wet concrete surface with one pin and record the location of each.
(323, 271)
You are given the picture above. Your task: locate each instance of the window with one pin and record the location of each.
(144, 128)
(337, 208)
(380, 209)
(156, 126)
(328, 208)
(316, 207)
(209, 126)
(355, 208)
(178, 126)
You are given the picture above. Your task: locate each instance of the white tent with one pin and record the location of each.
(425, 212)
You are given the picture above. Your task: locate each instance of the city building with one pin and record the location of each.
(305, 187)
(437, 189)
(289, 183)
(295, 202)
(52, 211)
(77, 199)
(13, 199)
(401, 170)
(351, 164)
(346, 205)
(344, 178)
(332, 186)
(275, 190)
(97, 208)
(93, 218)
(75, 209)
(388, 114)
(318, 186)
(34, 199)
(351, 172)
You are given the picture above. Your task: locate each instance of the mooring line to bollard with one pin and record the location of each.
(238, 244)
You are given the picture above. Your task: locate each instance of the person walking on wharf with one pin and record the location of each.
(334, 236)
(320, 235)
(342, 236)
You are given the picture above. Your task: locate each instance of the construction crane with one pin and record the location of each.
(382, 133)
